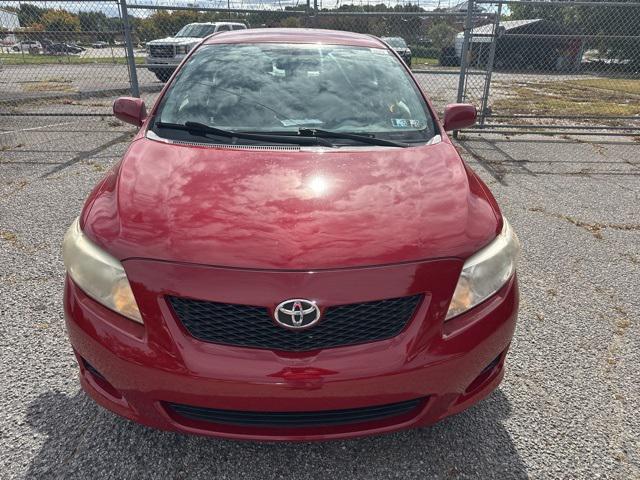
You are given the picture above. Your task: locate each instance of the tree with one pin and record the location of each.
(442, 35)
(29, 14)
(60, 21)
(93, 22)
(291, 22)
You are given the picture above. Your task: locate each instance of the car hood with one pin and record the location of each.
(175, 41)
(286, 209)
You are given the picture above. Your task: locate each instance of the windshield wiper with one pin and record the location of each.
(202, 129)
(318, 133)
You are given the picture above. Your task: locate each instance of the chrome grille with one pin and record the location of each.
(162, 51)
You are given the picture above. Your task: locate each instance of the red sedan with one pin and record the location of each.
(290, 249)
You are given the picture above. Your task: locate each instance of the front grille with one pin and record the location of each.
(249, 326)
(162, 51)
(295, 419)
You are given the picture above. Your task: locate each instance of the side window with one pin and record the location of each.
(239, 27)
(223, 28)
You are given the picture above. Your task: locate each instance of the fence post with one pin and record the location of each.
(490, 62)
(315, 13)
(131, 61)
(468, 25)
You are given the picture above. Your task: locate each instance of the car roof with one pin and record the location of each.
(216, 23)
(295, 35)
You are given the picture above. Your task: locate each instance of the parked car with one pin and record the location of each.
(99, 45)
(448, 57)
(27, 46)
(290, 249)
(58, 48)
(401, 47)
(171, 51)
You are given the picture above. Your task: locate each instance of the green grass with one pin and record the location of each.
(28, 59)
(53, 84)
(424, 61)
(594, 97)
(613, 84)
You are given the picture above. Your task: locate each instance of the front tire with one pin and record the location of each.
(163, 75)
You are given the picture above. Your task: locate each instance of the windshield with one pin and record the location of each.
(196, 30)
(285, 87)
(395, 42)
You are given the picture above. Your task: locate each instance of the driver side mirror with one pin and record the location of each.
(459, 115)
(130, 110)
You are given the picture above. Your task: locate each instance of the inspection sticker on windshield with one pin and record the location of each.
(406, 123)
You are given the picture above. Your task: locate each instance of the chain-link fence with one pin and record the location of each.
(406, 28)
(61, 65)
(528, 66)
(554, 65)
(60, 50)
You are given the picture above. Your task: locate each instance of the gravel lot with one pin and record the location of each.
(20, 82)
(568, 407)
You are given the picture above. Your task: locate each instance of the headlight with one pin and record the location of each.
(486, 271)
(183, 49)
(98, 274)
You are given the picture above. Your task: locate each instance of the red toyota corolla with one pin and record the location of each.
(290, 249)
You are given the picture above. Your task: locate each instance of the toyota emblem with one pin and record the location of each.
(297, 313)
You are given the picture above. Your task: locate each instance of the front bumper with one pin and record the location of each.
(406, 56)
(136, 371)
(161, 63)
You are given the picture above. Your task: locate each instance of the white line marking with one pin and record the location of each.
(36, 128)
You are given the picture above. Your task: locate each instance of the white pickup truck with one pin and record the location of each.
(171, 51)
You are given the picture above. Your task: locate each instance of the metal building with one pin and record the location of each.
(533, 44)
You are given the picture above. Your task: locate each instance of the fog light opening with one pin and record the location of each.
(100, 380)
(486, 373)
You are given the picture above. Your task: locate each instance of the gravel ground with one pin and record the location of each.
(566, 409)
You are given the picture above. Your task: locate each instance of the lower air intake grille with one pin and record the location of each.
(294, 419)
(248, 326)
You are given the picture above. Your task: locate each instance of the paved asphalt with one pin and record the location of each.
(568, 407)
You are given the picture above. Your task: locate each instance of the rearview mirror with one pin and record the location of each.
(459, 115)
(130, 110)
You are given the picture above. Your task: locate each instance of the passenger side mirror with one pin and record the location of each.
(459, 115)
(130, 110)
